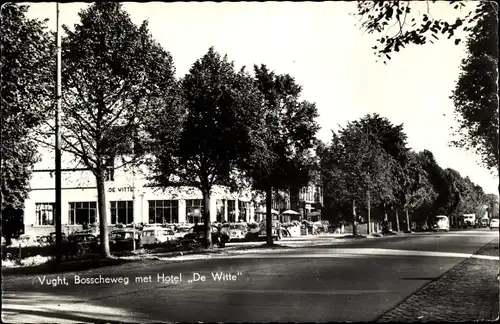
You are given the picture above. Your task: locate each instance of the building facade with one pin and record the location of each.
(129, 199)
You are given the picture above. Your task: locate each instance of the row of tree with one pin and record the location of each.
(369, 170)
(216, 126)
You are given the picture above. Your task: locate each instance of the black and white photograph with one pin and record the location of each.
(249, 162)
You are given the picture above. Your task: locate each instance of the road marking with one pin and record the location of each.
(353, 253)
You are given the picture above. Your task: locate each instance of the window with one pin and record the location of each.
(221, 208)
(82, 213)
(44, 213)
(122, 212)
(110, 174)
(244, 209)
(194, 210)
(231, 210)
(110, 170)
(163, 211)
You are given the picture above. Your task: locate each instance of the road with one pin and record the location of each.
(336, 280)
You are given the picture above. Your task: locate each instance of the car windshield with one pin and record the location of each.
(237, 226)
(183, 229)
(121, 235)
(166, 232)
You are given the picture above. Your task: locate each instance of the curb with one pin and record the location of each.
(484, 311)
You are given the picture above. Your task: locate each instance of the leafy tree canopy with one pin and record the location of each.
(476, 92)
(27, 64)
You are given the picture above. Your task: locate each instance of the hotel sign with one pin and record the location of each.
(121, 189)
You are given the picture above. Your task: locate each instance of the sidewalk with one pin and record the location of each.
(467, 292)
(231, 248)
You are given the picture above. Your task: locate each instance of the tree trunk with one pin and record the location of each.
(206, 219)
(397, 221)
(385, 213)
(354, 220)
(369, 213)
(408, 228)
(269, 216)
(103, 220)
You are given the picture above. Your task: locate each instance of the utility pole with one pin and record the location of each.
(133, 187)
(58, 204)
(369, 213)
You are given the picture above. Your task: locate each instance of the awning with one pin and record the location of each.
(290, 212)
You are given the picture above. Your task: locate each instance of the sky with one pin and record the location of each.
(323, 47)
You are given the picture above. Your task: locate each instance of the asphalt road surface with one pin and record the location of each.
(357, 280)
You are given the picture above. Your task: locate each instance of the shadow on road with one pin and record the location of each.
(47, 308)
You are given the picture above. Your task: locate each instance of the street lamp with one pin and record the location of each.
(58, 203)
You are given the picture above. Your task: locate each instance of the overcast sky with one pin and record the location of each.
(323, 48)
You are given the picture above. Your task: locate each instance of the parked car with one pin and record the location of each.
(156, 235)
(441, 223)
(27, 240)
(53, 236)
(263, 233)
(45, 240)
(152, 225)
(235, 231)
(196, 235)
(484, 222)
(81, 242)
(181, 231)
(494, 223)
(122, 239)
(81, 237)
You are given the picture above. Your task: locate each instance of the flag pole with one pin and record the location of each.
(58, 204)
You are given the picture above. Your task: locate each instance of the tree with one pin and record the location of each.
(281, 154)
(393, 140)
(28, 70)
(475, 95)
(476, 92)
(113, 75)
(491, 200)
(415, 26)
(357, 169)
(416, 190)
(220, 111)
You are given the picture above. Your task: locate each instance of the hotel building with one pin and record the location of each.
(129, 198)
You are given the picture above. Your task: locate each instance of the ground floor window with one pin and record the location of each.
(221, 209)
(163, 211)
(194, 210)
(244, 210)
(81, 213)
(44, 213)
(231, 211)
(122, 212)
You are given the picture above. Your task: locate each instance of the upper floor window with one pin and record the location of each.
(110, 170)
(110, 174)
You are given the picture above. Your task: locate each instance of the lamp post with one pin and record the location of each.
(58, 203)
